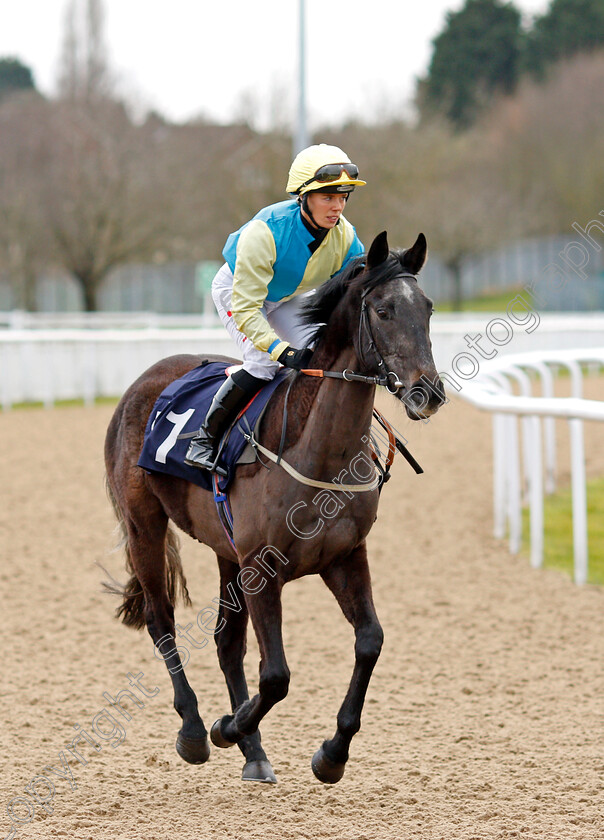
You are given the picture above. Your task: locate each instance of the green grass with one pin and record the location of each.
(496, 302)
(558, 532)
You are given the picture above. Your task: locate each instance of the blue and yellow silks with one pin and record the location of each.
(271, 261)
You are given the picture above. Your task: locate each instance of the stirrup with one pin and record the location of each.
(210, 465)
(228, 400)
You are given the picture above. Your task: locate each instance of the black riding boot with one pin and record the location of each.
(230, 398)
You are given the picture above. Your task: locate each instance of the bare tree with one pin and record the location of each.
(24, 243)
(462, 200)
(104, 194)
(431, 179)
(84, 73)
(221, 176)
(96, 54)
(551, 142)
(86, 188)
(98, 188)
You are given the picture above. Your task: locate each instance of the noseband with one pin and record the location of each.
(387, 378)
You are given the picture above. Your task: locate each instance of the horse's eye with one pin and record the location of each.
(382, 313)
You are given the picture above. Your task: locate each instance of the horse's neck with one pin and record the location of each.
(340, 415)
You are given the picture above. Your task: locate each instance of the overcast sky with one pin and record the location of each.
(215, 57)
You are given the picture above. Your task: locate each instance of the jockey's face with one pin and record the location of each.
(326, 208)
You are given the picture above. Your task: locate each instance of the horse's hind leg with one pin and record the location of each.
(350, 582)
(148, 536)
(231, 646)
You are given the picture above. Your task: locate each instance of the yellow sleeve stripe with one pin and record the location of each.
(256, 255)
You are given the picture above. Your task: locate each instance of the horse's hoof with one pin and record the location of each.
(217, 737)
(325, 770)
(259, 771)
(193, 750)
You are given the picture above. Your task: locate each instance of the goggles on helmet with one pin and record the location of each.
(331, 172)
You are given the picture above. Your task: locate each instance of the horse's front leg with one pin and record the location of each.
(264, 609)
(231, 646)
(349, 580)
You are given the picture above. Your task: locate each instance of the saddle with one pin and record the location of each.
(179, 412)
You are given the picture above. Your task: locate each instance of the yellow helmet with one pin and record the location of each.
(323, 167)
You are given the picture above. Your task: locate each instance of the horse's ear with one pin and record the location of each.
(379, 250)
(414, 258)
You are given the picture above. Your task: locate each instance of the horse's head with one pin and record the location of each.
(376, 308)
(394, 326)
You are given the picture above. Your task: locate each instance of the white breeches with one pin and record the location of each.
(284, 318)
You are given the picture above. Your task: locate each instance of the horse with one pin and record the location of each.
(372, 316)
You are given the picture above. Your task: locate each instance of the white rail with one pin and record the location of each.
(17, 319)
(52, 365)
(50, 357)
(492, 391)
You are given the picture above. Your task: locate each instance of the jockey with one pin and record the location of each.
(272, 264)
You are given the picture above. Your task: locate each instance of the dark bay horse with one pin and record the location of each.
(375, 322)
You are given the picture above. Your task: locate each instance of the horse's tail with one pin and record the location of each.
(132, 609)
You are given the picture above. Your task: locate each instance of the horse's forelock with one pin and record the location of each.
(383, 273)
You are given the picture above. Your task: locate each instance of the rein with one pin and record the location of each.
(311, 482)
(387, 378)
(351, 376)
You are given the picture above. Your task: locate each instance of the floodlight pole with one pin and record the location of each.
(301, 132)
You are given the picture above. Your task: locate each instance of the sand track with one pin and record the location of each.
(483, 719)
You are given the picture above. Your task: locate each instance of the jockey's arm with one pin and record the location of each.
(256, 255)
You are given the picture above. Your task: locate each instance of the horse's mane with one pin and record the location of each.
(353, 278)
(332, 310)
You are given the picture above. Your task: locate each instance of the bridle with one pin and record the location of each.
(387, 378)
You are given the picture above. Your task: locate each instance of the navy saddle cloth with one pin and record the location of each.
(181, 409)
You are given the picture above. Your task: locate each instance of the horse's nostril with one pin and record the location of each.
(418, 397)
(425, 395)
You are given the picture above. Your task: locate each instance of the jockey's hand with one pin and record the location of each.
(295, 359)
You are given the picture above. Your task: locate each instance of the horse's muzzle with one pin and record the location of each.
(424, 398)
